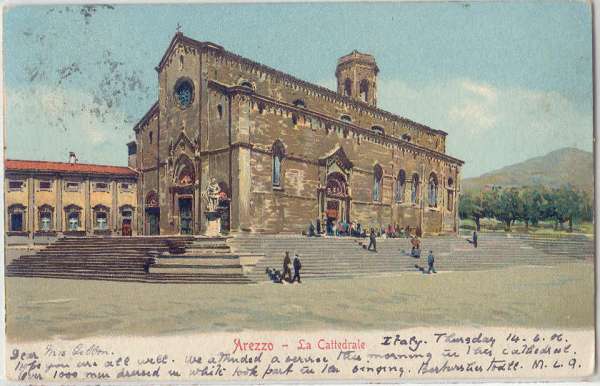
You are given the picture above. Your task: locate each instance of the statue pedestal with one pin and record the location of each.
(213, 224)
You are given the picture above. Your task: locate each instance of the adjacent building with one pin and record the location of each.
(48, 199)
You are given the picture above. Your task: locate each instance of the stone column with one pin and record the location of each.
(58, 211)
(31, 207)
(115, 207)
(87, 207)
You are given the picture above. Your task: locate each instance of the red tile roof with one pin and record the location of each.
(65, 167)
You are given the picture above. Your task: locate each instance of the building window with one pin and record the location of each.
(248, 84)
(378, 129)
(406, 137)
(16, 218)
(150, 137)
(278, 155)
(299, 103)
(261, 107)
(377, 183)
(126, 186)
(450, 194)
(295, 119)
(184, 92)
(46, 185)
(400, 185)
(414, 189)
(432, 190)
(73, 218)
(347, 87)
(101, 217)
(45, 218)
(72, 186)
(101, 187)
(364, 90)
(220, 111)
(346, 118)
(15, 185)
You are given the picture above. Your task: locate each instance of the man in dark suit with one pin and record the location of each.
(297, 267)
(287, 267)
(372, 241)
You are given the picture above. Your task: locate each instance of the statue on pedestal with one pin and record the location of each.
(213, 191)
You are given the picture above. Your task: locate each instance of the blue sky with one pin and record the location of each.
(507, 81)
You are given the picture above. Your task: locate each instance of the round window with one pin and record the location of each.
(184, 92)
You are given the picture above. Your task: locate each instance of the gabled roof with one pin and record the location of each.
(65, 167)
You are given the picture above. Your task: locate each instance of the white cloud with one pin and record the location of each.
(49, 122)
(488, 126)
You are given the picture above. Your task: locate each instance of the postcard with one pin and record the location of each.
(373, 192)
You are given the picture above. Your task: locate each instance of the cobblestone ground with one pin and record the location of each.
(559, 296)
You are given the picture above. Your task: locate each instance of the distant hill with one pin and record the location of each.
(559, 167)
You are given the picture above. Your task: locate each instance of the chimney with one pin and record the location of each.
(72, 158)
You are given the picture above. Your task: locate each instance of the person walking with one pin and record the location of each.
(318, 226)
(474, 239)
(297, 267)
(287, 267)
(430, 261)
(372, 240)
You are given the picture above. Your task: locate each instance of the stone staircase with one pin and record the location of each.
(122, 259)
(328, 257)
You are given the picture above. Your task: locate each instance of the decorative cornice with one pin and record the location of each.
(149, 114)
(323, 91)
(423, 151)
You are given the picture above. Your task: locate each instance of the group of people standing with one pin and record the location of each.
(287, 268)
(332, 227)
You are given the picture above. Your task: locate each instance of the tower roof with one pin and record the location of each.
(358, 57)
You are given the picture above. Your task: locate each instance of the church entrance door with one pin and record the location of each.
(185, 216)
(336, 198)
(153, 216)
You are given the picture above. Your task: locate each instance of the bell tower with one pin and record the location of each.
(356, 75)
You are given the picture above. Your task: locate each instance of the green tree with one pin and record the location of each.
(508, 207)
(532, 206)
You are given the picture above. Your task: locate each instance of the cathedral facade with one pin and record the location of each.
(274, 153)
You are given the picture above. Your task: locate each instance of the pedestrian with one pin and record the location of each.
(297, 267)
(372, 241)
(430, 261)
(475, 239)
(287, 267)
(311, 230)
(318, 227)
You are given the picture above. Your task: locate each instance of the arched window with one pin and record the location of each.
(16, 218)
(450, 204)
(184, 171)
(378, 129)
(377, 183)
(346, 118)
(278, 155)
(432, 190)
(45, 218)
(101, 217)
(150, 137)
(220, 111)
(364, 90)
(406, 137)
(400, 185)
(73, 217)
(300, 103)
(414, 189)
(247, 83)
(348, 87)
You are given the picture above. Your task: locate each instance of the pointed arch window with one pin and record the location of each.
(364, 90)
(414, 189)
(377, 183)
(400, 185)
(347, 87)
(432, 190)
(278, 155)
(450, 203)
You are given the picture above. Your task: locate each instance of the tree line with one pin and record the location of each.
(529, 205)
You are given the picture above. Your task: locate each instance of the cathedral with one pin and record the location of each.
(259, 150)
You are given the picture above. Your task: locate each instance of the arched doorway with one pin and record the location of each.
(183, 191)
(336, 198)
(152, 226)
